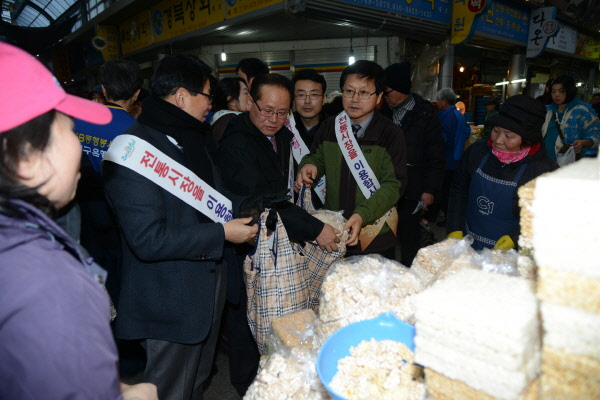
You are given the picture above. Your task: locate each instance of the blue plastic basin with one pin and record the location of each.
(384, 327)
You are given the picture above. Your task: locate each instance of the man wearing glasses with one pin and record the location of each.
(254, 159)
(173, 279)
(363, 157)
(309, 98)
(425, 154)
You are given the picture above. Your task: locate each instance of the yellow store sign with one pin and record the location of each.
(463, 18)
(171, 18)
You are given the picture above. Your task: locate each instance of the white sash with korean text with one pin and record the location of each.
(299, 150)
(363, 175)
(140, 156)
(362, 172)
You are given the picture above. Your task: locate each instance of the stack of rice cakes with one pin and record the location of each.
(566, 252)
(477, 334)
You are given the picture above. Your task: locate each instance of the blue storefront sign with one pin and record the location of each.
(505, 20)
(432, 10)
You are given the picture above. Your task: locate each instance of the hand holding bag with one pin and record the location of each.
(566, 154)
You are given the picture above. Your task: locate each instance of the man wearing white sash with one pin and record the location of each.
(255, 158)
(309, 97)
(167, 203)
(363, 156)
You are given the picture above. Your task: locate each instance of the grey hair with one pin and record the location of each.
(448, 95)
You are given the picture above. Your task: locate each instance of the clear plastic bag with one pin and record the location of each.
(288, 374)
(431, 260)
(362, 287)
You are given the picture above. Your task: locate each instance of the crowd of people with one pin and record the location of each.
(171, 188)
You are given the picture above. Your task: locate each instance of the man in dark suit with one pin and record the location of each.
(254, 158)
(172, 291)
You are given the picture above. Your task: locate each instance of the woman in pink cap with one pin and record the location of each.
(55, 337)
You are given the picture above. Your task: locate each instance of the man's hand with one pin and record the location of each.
(327, 239)
(306, 175)
(427, 199)
(354, 225)
(141, 391)
(236, 230)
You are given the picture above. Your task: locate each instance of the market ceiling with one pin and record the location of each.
(41, 24)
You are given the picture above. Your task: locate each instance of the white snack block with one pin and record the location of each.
(496, 381)
(565, 218)
(483, 301)
(571, 329)
(485, 346)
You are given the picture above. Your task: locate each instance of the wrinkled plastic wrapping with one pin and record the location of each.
(288, 374)
(443, 259)
(426, 73)
(432, 260)
(362, 287)
(319, 261)
(294, 329)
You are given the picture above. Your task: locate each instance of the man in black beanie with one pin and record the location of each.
(424, 150)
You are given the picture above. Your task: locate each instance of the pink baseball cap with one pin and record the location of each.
(28, 89)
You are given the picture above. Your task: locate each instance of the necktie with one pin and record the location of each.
(273, 143)
(355, 129)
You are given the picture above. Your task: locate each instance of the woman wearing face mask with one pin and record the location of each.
(55, 336)
(483, 197)
(576, 120)
(231, 98)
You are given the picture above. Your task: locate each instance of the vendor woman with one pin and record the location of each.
(483, 198)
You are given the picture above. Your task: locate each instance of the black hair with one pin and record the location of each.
(179, 71)
(595, 94)
(309, 74)
(569, 87)
(252, 67)
(120, 78)
(228, 89)
(365, 69)
(33, 135)
(272, 80)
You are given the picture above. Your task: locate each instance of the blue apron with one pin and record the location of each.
(490, 207)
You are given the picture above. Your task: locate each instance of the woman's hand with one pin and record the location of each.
(580, 144)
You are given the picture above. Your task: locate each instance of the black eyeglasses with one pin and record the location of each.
(389, 91)
(312, 96)
(269, 113)
(363, 94)
(208, 96)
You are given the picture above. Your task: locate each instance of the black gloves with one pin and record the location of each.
(254, 205)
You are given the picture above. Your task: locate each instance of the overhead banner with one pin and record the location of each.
(463, 22)
(542, 27)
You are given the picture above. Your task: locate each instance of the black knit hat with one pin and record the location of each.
(397, 77)
(522, 115)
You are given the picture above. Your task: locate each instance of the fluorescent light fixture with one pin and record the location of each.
(221, 27)
(518, 80)
(502, 83)
(579, 84)
(223, 56)
(244, 33)
(351, 60)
